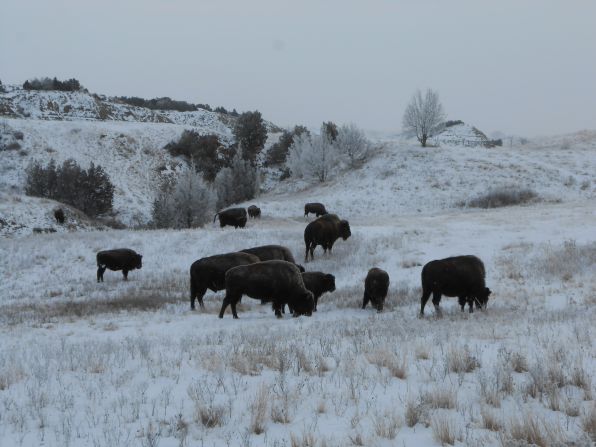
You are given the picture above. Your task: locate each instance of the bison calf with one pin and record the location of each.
(376, 286)
(318, 283)
(254, 212)
(460, 276)
(123, 259)
(277, 281)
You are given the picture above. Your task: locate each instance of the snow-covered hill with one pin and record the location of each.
(127, 141)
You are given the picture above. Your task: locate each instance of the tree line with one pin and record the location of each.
(70, 85)
(89, 190)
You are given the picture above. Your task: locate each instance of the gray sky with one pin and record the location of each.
(520, 66)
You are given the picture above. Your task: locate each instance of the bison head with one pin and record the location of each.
(304, 305)
(329, 283)
(378, 303)
(139, 261)
(483, 298)
(344, 229)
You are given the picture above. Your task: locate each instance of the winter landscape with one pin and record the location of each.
(128, 363)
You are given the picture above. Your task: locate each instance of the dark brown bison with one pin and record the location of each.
(273, 253)
(254, 211)
(234, 217)
(123, 259)
(324, 231)
(316, 208)
(460, 276)
(277, 281)
(318, 283)
(209, 273)
(376, 286)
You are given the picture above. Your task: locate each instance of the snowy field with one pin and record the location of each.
(128, 364)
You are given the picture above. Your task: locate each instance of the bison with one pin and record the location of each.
(123, 259)
(318, 283)
(209, 273)
(272, 253)
(460, 276)
(277, 281)
(376, 286)
(234, 217)
(254, 212)
(316, 208)
(324, 231)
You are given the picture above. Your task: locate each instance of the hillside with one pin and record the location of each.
(127, 141)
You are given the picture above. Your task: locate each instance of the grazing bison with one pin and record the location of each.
(316, 208)
(234, 217)
(273, 253)
(254, 211)
(123, 259)
(460, 276)
(209, 273)
(277, 281)
(324, 231)
(318, 283)
(376, 286)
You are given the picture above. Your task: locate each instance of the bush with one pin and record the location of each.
(352, 144)
(278, 152)
(313, 157)
(499, 197)
(163, 103)
(91, 190)
(205, 150)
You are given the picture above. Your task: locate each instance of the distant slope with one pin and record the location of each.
(127, 141)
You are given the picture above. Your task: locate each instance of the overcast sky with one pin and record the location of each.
(526, 67)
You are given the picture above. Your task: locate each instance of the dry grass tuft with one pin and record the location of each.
(440, 398)
(444, 429)
(518, 362)
(414, 413)
(397, 365)
(304, 440)
(588, 422)
(461, 360)
(387, 425)
(532, 430)
(258, 410)
(490, 421)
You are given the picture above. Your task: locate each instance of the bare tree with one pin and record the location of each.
(423, 115)
(313, 157)
(352, 144)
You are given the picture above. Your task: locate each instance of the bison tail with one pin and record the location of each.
(215, 217)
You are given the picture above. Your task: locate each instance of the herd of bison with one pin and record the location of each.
(270, 272)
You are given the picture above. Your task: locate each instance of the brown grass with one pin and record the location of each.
(42, 313)
(444, 429)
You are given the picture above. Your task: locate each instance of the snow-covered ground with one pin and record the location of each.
(127, 363)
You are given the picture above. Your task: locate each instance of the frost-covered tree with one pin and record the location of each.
(423, 115)
(185, 202)
(330, 129)
(313, 157)
(352, 144)
(238, 182)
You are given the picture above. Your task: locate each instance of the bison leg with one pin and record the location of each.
(423, 300)
(365, 300)
(125, 274)
(436, 301)
(100, 271)
(471, 305)
(224, 304)
(462, 302)
(197, 293)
